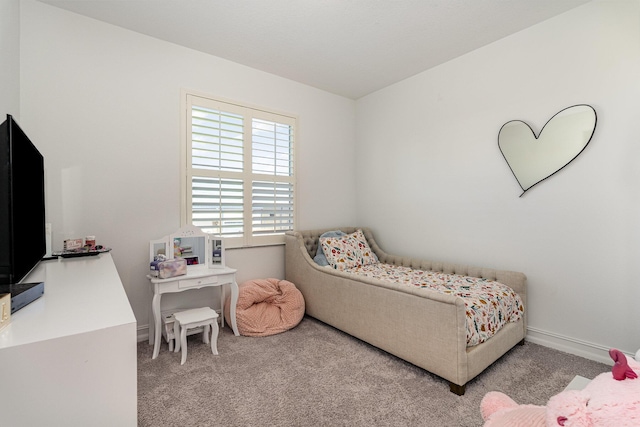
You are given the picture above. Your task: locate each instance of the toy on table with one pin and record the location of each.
(164, 268)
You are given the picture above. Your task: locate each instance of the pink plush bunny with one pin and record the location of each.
(610, 399)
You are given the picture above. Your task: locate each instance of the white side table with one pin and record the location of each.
(194, 279)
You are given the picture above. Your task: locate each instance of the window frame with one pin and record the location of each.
(187, 172)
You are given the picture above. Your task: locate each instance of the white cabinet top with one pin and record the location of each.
(80, 295)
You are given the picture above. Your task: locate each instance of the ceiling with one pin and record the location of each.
(347, 47)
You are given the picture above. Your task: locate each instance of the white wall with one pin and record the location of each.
(10, 54)
(433, 183)
(102, 104)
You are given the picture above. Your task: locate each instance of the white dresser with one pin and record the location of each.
(69, 358)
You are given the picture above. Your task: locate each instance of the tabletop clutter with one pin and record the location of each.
(163, 268)
(80, 247)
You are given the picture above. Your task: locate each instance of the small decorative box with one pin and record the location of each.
(169, 268)
(71, 244)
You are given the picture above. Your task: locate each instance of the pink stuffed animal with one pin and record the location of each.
(610, 399)
(499, 410)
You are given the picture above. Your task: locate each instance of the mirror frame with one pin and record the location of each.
(537, 136)
(205, 248)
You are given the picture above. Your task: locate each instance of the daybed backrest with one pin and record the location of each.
(311, 237)
(311, 242)
(516, 280)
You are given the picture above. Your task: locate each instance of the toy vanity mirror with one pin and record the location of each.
(189, 243)
(532, 158)
(158, 247)
(217, 252)
(191, 249)
(198, 248)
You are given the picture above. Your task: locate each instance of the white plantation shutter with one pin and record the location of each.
(272, 148)
(217, 205)
(217, 140)
(271, 207)
(240, 181)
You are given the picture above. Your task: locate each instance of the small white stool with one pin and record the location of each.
(195, 318)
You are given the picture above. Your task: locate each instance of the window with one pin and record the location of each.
(239, 171)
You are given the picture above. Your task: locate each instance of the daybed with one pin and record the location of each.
(424, 327)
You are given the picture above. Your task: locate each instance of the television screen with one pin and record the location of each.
(22, 204)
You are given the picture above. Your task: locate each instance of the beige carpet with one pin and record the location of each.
(315, 375)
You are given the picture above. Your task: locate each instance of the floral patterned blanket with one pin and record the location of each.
(490, 304)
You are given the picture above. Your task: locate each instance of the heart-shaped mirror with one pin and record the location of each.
(532, 158)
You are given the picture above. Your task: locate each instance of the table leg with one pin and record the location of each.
(151, 325)
(222, 300)
(232, 308)
(155, 309)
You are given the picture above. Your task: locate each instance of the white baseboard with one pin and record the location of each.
(564, 343)
(143, 333)
(570, 345)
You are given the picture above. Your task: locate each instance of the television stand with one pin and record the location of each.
(69, 357)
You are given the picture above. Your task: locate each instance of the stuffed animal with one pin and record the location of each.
(610, 399)
(499, 410)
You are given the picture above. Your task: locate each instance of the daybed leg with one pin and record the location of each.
(457, 389)
(521, 342)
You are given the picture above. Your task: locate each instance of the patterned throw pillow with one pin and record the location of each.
(347, 251)
(320, 258)
(368, 257)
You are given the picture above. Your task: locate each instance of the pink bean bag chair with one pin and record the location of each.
(266, 307)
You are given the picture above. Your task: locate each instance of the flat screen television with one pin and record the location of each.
(22, 205)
